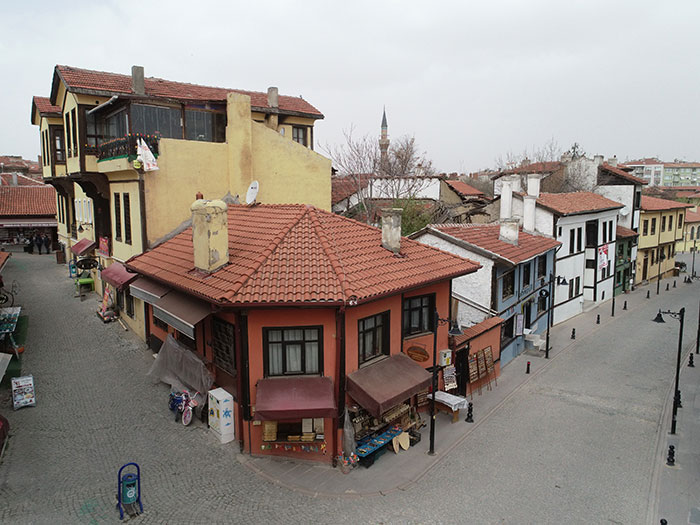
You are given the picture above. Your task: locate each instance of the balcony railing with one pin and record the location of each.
(125, 147)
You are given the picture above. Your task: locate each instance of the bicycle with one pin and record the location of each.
(7, 297)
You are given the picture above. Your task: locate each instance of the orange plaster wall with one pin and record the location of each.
(259, 319)
(490, 338)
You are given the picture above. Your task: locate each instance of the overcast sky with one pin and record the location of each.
(470, 80)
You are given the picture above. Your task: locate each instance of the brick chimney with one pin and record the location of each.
(209, 234)
(138, 83)
(391, 229)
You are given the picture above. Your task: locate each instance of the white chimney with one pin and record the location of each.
(391, 229)
(529, 203)
(533, 184)
(509, 231)
(598, 159)
(14, 179)
(138, 83)
(273, 97)
(507, 197)
(209, 234)
(613, 160)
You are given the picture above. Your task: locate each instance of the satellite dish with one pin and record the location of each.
(625, 211)
(252, 192)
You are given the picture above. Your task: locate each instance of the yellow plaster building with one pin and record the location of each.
(691, 232)
(661, 226)
(213, 141)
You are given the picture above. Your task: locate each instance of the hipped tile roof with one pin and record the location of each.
(22, 180)
(656, 204)
(692, 216)
(470, 333)
(464, 189)
(486, 237)
(115, 84)
(27, 200)
(576, 202)
(623, 174)
(290, 253)
(344, 187)
(621, 231)
(534, 167)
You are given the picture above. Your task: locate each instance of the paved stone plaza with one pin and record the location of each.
(578, 442)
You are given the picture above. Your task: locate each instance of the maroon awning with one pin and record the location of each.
(385, 384)
(117, 275)
(83, 246)
(280, 398)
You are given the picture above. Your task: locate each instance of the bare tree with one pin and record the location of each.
(550, 151)
(401, 176)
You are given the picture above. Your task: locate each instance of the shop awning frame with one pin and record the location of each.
(117, 275)
(147, 290)
(181, 311)
(83, 246)
(290, 398)
(385, 384)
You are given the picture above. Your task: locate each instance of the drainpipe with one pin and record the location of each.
(340, 349)
(142, 202)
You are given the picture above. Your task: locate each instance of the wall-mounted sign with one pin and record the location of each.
(449, 376)
(418, 354)
(603, 256)
(104, 246)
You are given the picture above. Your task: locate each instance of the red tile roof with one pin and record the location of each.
(576, 203)
(12, 163)
(621, 231)
(623, 174)
(27, 200)
(656, 204)
(692, 216)
(22, 180)
(290, 253)
(645, 162)
(486, 237)
(464, 189)
(44, 106)
(113, 83)
(470, 333)
(535, 167)
(344, 187)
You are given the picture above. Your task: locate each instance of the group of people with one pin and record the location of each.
(39, 240)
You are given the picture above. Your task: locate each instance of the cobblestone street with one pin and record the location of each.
(577, 443)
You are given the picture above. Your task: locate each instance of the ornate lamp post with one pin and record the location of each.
(454, 330)
(680, 315)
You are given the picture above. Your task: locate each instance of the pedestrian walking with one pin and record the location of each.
(37, 241)
(47, 243)
(30, 244)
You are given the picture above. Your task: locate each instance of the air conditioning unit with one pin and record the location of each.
(445, 357)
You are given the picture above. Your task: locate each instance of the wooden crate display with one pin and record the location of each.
(269, 430)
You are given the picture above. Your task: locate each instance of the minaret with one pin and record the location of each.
(384, 144)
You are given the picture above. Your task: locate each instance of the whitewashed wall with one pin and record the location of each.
(420, 188)
(623, 195)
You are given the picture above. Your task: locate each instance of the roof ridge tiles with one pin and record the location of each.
(336, 262)
(260, 259)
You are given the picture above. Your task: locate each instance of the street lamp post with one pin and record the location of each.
(680, 315)
(454, 330)
(560, 280)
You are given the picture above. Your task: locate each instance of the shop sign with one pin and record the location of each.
(418, 354)
(23, 392)
(603, 257)
(519, 320)
(104, 246)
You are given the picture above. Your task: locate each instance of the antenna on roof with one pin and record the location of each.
(252, 192)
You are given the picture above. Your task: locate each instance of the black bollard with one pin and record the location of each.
(573, 333)
(663, 522)
(667, 286)
(597, 319)
(674, 283)
(647, 294)
(527, 370)
(691, 363)
(624, 306)
(671, 458)
(470, 416)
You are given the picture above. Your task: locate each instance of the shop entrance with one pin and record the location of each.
(462, 370)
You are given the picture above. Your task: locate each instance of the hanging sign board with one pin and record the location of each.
(603, 256)
(488, 354)
(23, 392)
(519, 318)
(473, 370)
(449, 376)
(481, 363)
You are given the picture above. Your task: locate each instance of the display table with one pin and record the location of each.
(369, 448)
(449, 403)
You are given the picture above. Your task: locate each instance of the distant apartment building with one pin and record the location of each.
(659, 173)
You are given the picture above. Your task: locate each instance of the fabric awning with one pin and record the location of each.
(117, 275)
(385, 384)
(280, 398)
(83, 246)
(181, 311)
(147, 290)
